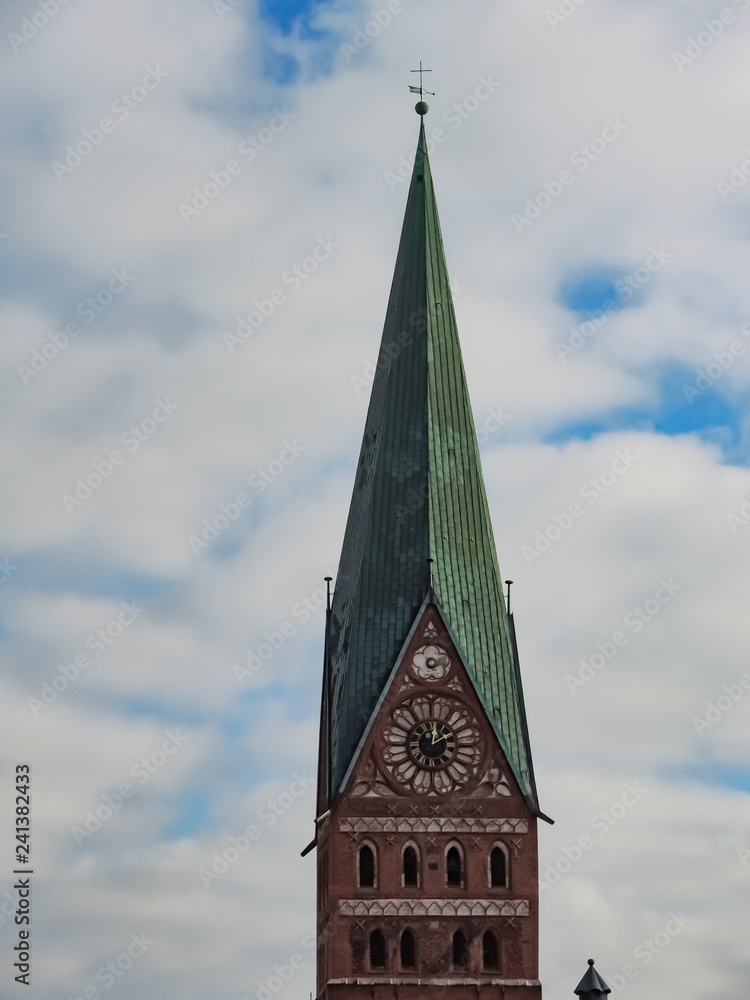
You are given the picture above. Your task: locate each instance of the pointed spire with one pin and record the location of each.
(592, 986)
(419, 495)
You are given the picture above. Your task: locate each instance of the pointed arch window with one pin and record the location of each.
(460, 951)
(408, 949)
(498, 867)
(411, 865)
(377, 950)
(490, 953)
(366, 866)
(453, 867)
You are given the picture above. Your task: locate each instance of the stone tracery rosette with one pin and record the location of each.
(371, 783)
(431, 663)
(399, 763)
(494, 782)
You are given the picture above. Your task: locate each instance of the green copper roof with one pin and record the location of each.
(419, 496)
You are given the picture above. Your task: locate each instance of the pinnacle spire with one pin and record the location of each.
(592, 986)
(418, 500)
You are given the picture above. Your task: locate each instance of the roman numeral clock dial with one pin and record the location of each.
(432, 743)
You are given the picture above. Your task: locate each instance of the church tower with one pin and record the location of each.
(427, 807)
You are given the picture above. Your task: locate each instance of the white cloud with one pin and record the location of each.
(322, 176)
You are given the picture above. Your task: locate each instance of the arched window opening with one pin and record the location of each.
(460, 951)
(498, 873)
(366, 866)
(411, 866)
(408, 951)
(377, 950)
(490, 953)
(453, 866)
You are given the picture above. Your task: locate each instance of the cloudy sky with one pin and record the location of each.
(201, 211)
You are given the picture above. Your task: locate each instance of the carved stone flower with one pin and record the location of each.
(431, 663)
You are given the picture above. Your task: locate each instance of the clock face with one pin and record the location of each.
(432, 743)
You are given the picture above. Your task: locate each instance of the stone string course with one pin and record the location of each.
(434, 907)
(433, 824)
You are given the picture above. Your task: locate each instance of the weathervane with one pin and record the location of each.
(420, 89)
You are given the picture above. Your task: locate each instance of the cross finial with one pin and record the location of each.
(420, 89)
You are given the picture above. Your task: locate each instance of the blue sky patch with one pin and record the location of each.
(284, 14)
(285, 19)
(710, 414)
(715, 774)
(279, 66)
(169, 714)
(688, 409)
(192, 815)
(87, 579)
(592, 290)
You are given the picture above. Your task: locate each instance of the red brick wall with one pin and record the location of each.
(380, 806)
